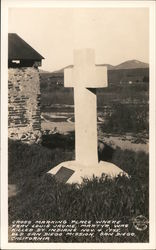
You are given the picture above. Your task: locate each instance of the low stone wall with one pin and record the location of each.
(24, 120)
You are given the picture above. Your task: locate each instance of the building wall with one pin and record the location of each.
(24, 120)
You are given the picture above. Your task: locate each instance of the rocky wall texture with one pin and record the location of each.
(24, 119)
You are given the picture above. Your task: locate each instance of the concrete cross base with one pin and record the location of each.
(74, 172)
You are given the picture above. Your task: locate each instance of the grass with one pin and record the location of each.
(40, 197)
(132, 94)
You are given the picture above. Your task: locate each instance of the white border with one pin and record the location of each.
(4, 125)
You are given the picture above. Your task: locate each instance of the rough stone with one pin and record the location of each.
(24, 119)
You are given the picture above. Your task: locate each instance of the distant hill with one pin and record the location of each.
(109, 66)
(131, 71)
(41, 71)
(62, 70)
(132, 64)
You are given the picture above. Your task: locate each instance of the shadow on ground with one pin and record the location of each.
(64, 142)
(61, 141)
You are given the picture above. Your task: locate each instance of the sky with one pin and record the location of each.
(116, 34)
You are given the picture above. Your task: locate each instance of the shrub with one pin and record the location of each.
(127, 118)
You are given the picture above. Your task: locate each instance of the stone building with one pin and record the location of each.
(24, 119)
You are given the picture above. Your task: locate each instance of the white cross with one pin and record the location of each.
(85, 77)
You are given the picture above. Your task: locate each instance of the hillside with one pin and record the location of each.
(123, 76)
(132, 64)
(62, 70)
(120, 76)
(117, 76)
(109, 66)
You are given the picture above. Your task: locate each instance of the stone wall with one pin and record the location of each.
(24, 120)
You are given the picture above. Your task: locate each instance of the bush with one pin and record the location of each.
(127, 118)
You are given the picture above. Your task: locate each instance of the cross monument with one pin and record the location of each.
(85, 77)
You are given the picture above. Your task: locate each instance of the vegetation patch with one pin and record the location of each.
(40, 197)
(127, 118)
(52, 94)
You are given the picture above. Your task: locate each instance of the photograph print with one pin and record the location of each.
(78, 124)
